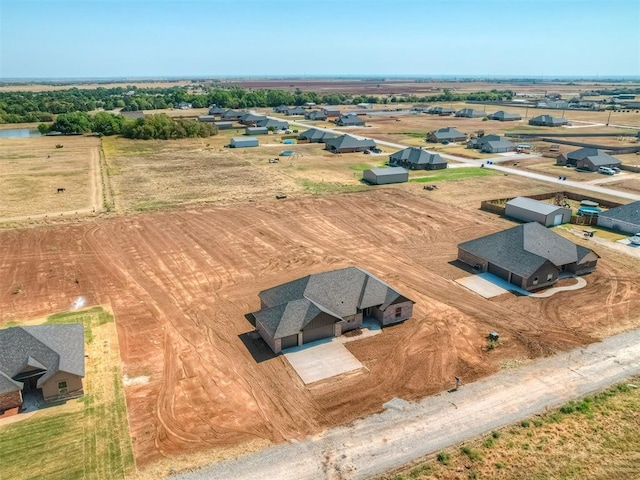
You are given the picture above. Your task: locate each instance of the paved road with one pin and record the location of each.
(497, 159)
(399, 435)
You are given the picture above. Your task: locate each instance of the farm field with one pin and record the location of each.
(180, 284)
(33, 169)
(85, 438)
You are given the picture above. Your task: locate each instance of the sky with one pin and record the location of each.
(217, 38)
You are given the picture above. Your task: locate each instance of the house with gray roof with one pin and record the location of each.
(45, 360)
(625, 218)
(530, 256)
(588, 159)
(251, 119)
(447, 134)
(385, 176)
(348, 144)
(330, 111)
(272, 123)
(281, 108)
(314, 135)
(417, 159)
(326, 305)
(502, 145)
(216, 110)
(315, 115)
(530, 210)
(442, 111)
(548, 121)
(232, 114)
(295, 111)
(479, 141)
(349, 120)
(470, 113)
(503, 116)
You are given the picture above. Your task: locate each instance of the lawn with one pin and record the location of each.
(455, 174)
(596, 437)
(87, 438)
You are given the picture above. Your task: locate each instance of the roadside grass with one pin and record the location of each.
(594, 437)
(455, 174)
(86, 438)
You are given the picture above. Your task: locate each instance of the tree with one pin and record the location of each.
(69, 123)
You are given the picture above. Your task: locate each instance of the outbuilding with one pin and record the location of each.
(530, 210)
(223, 125)
(207, 118)
(548, 121)
(256, 131)
(385, 176)
(243, 142)
(503, 116)
(625, 218)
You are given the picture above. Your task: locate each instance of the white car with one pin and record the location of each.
(635, 240)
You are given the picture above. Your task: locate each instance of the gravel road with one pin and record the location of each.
(407, 431)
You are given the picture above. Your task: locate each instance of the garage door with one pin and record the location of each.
(290, 341)
(499, 272)
(516, 279)
(319, 333)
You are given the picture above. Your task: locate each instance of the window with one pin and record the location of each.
(535, 280)
(62, 387)
(398, 312)
(549, 277)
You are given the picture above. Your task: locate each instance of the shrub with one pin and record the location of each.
(495, 434)
(444, 458)
(471, 453)
(524, 423)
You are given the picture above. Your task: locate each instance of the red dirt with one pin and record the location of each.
(181, 282)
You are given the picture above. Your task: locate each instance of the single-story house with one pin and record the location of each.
(385, 176)
(348, 144)
(417, 159)
(223, 125)
(501, 145)
(184, 106)
(232, 114)
(442, 111)
(625, 218)
(448, 134)
(530, 256)
(326, 305)
(243, 142)
(216, 110)
(554, 104)
(350, 119)
(503, 116)
(470, 113)
(548, 121)
(295, 111)
(364, 105)
(331, 111)
(42, 359)
(314, 135)
(530, 210)
(588, 159)
(273, 123)
(315, 115)
(207, 118)
(256, 131)
(309, 104)
(281, 108)
(251, 119)
(478, 142)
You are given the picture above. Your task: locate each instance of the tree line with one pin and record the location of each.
(16, 107)
(158, 126)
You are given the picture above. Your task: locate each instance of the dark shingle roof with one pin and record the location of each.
(314, 133)
(448, 133)
(270, 122)
(350, 118)
(417, 156)
(339, 293)
(347, 141)
(547, 120)
(524, 249)
(629, 213)
(596, 157)
(500, 143)
(53, 348)
(502, 115)
(470, 112)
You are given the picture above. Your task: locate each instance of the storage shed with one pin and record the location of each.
(207, 118)
(530, 210)
(243, 142)
(223, 125)
(384, 176)
(256, 131)
(625, 218)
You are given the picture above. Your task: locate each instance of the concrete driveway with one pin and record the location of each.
(319, 360)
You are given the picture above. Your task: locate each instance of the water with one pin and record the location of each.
(19, 133)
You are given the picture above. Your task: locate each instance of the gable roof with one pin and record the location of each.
(470, 112)
(349, 118)
(501, 115)
(629, 213)
(537, 206)
(347, 141)
(548, 120)
(595, 156)
(49, 348)
(447, 133)
(339, 293)
(524, 249)
(271, 122)
(384, 171)
(314, 133)
(417, 156)
(499, 143)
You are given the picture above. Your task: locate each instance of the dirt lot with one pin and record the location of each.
(33, 169)
(181, 282)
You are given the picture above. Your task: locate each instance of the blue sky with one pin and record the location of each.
(170, 38)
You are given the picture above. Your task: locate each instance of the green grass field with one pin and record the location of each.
(454, 174)
(87, 438)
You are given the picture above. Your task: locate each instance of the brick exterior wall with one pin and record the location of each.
(388, 316)
(10, 400)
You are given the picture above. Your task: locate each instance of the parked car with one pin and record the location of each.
(367, 152)
(635, 240)
(615, 169)
(606, 171)
(376, 150)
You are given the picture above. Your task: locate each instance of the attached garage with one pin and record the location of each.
(313, 334)
(498, 271)
(290, 341)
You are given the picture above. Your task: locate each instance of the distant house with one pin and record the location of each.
(470, 113)
(207, 118)
(271, 123)
(326, 305)
(417, 159)
(132, 115)
(588, 159)
(256, 131)
(348, 144)
(364, 106)
(313, 135)
(251, 119)
(548, 121)
(625, 218)
(385, 176)
(243, 142)
(530, 210)
(478, 142)
(232, 114)
(331, 111)
(553, 104)
(216, 110)
(503, 116)
(291, 111)
(447, 134)
(184, 106)
(502, 145)
(281, 108)
(45, 359)
(223, 125)
(442, 111)
(349, 120)
(309, 104)
(530, 256)
(315, 115)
